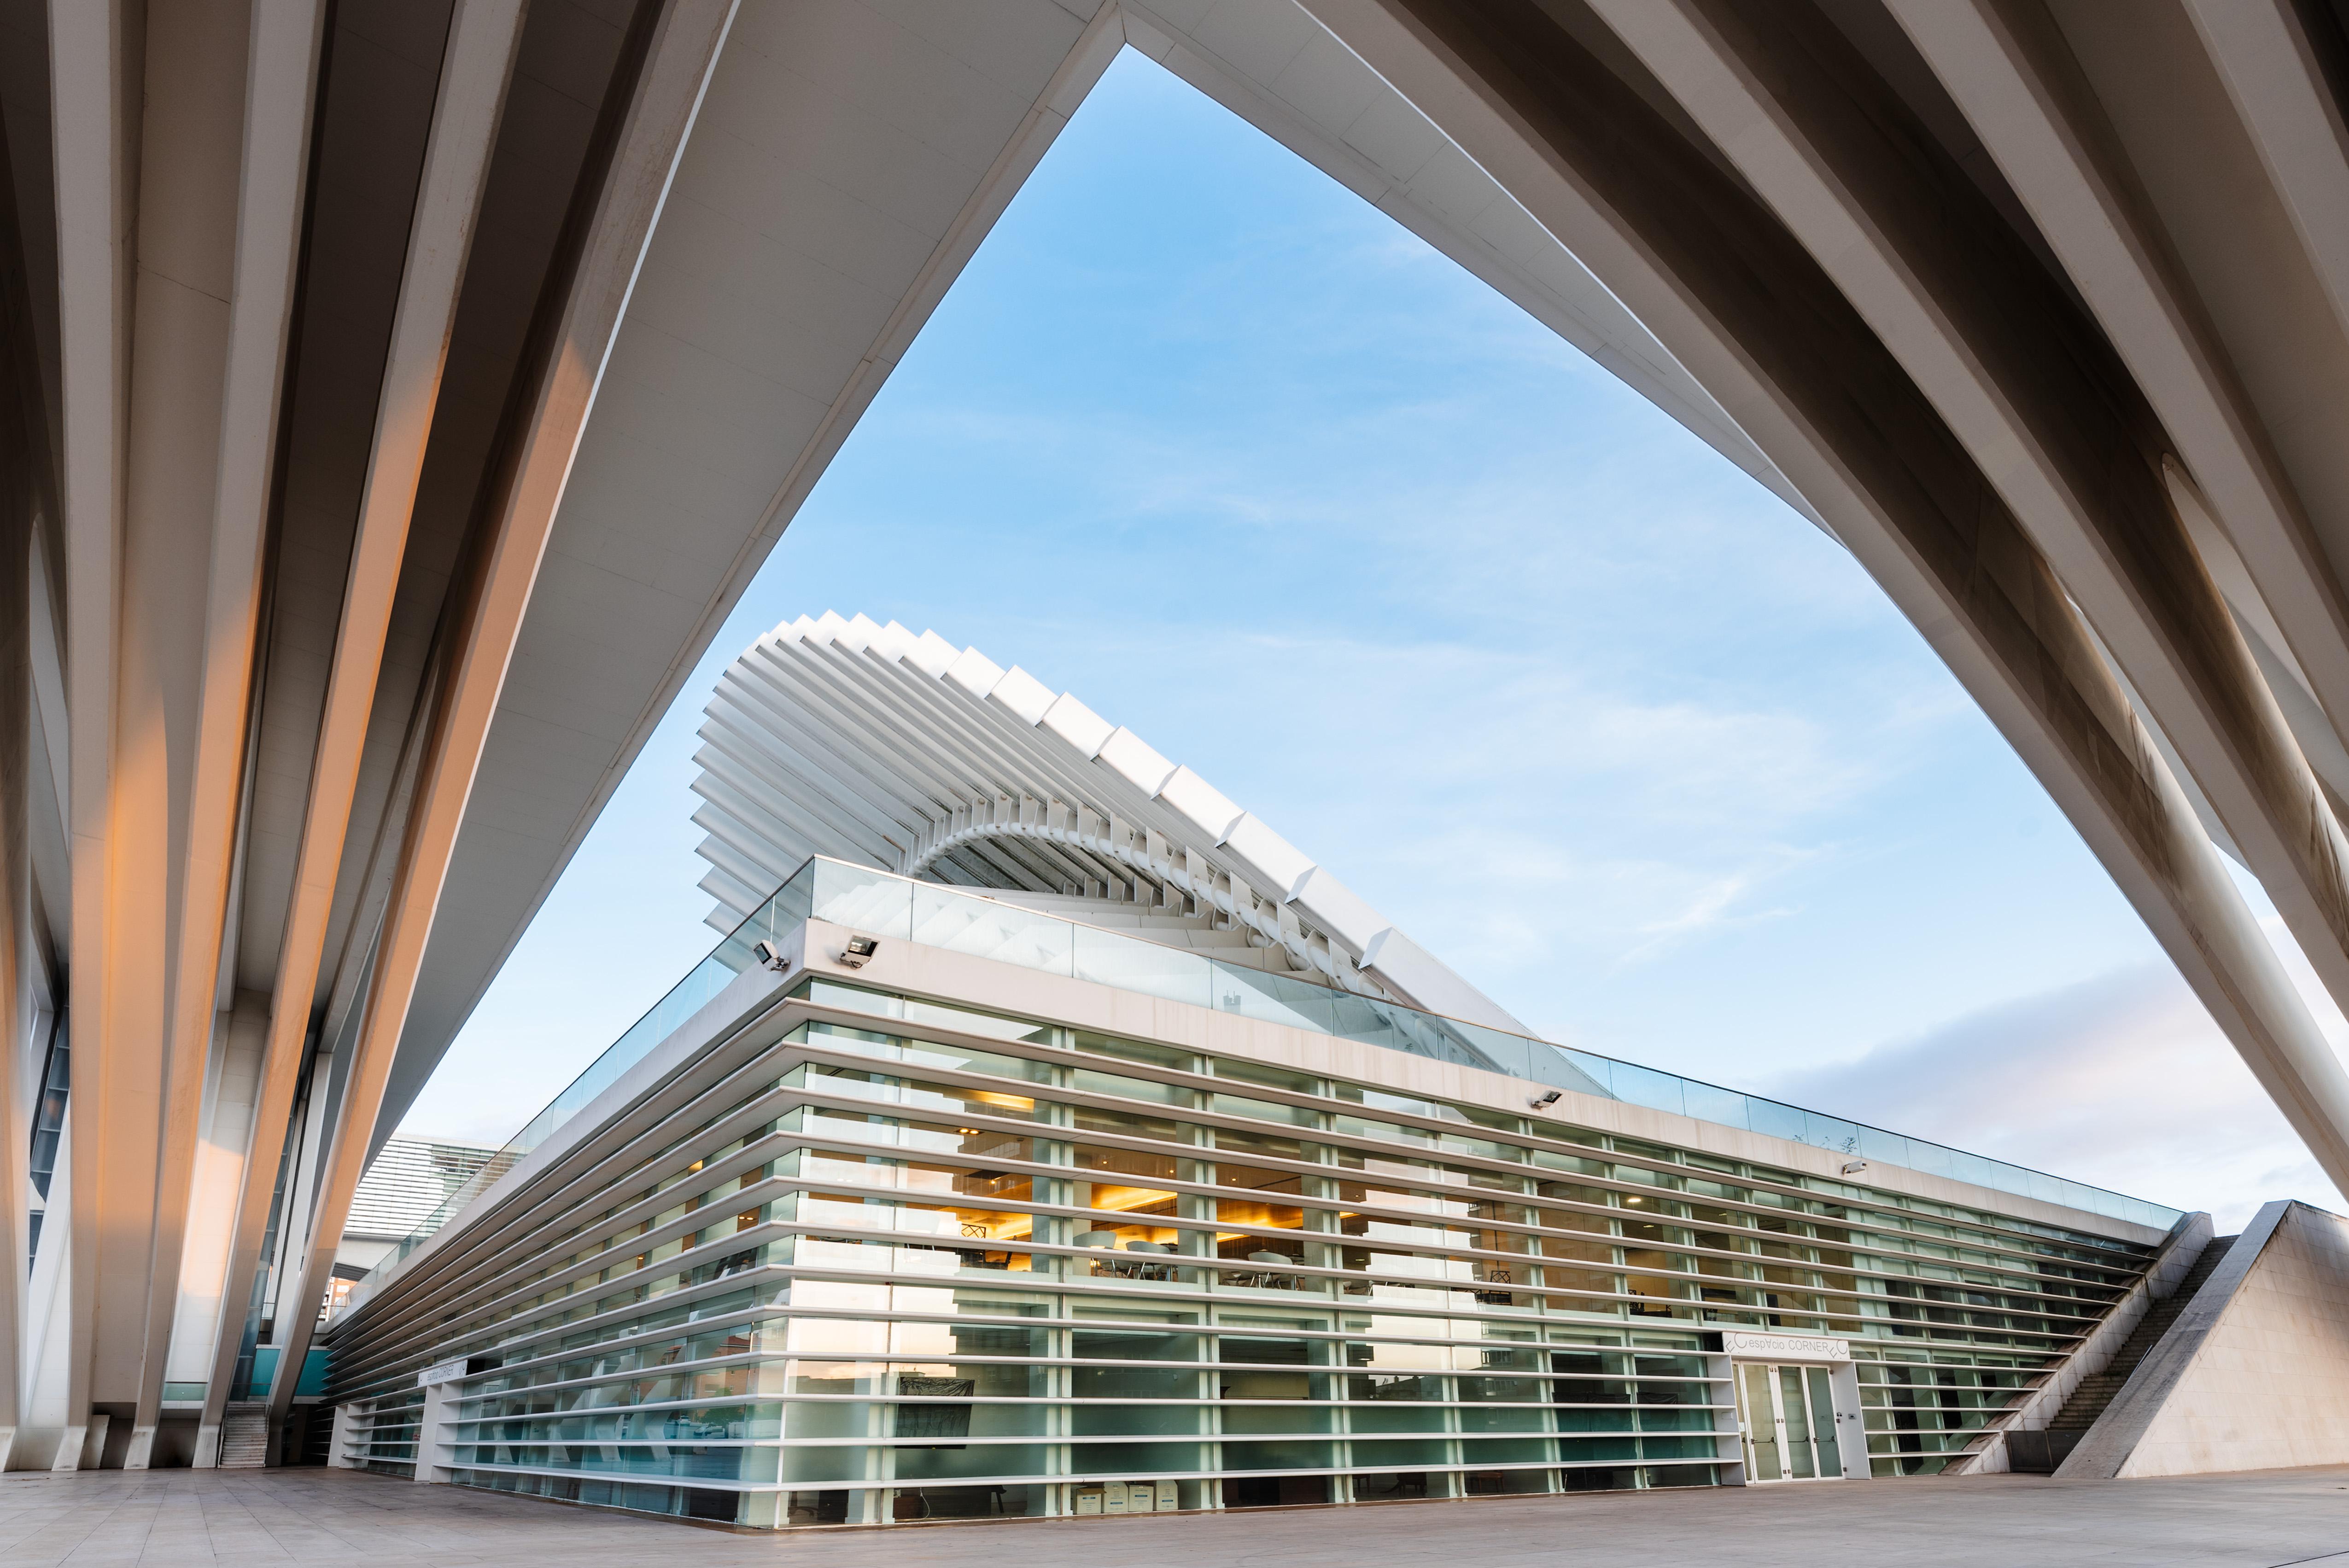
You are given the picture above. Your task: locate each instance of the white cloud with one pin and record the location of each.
(1714, 908)
(2121, 1080)
(1537, 803)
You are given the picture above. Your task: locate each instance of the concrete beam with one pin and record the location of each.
(2015, 77)
(1737, 299)
(19, 946)
(281, 72)
(2046, 412)
(657, 115)
(94, 50)
(2270, 66)
(477, 64)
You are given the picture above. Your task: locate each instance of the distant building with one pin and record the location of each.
(408, 1183)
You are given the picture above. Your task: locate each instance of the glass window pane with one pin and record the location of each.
(1889, 1147)
(1798, 1437)
(1761, 1425)
(1823, 1425)
(1272, 1000)
(1645, 1086)
(987, 929)
(861, 900)
(1150, 968)
(1724, 1107)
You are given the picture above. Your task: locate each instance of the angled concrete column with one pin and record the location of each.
(18, 1068)
(2053, 419)
(93, 63)
(279, 86)
(652, 112)
(476, 69)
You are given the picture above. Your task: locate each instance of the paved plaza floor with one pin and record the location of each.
(167, 1518)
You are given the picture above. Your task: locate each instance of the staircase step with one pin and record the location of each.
(2095, 1393)
(244, 1436)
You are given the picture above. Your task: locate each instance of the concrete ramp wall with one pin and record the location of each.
(2254, 1375)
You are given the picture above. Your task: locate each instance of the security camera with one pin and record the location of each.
(768, 956)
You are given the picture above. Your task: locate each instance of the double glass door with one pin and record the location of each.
(1788, 1417)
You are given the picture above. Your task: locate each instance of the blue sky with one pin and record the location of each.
(1203, 437)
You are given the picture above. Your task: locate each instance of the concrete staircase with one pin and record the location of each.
(2040, 1453)
(245, 1435)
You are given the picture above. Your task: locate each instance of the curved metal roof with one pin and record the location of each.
(870, 744)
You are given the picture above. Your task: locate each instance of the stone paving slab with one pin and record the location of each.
(165, 1519)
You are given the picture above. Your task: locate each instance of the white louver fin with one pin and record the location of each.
(866, 742)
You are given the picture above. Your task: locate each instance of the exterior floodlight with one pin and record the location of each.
(1543, 1102)
(768, 956)
(858, 950)
(1854, 1166)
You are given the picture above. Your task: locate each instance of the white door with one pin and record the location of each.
(1787, 1416)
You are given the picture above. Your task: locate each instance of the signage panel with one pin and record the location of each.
(1784, 1347)
(443, 1372)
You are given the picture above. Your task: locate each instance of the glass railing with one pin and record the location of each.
(728, 959)
(937, 917)
(883, 905)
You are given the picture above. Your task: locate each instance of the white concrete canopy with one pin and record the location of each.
(868, 743)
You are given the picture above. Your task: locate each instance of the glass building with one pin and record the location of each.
(1060, 1140)
(856, 1245)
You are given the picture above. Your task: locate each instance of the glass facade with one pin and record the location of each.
(935, 916)
(919, 1262)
